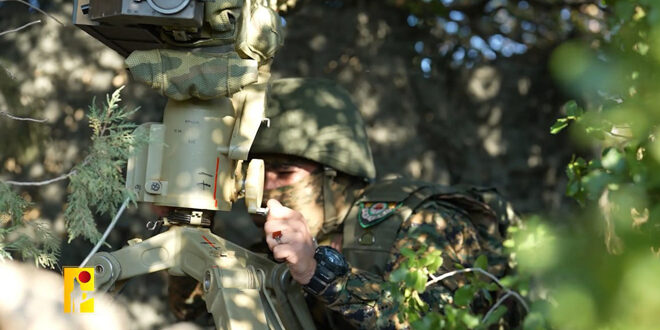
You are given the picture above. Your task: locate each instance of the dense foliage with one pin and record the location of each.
(466, 32)
(598, 267)
(96, 188)
(28, 240)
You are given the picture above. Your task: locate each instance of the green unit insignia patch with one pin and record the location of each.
(374, 213)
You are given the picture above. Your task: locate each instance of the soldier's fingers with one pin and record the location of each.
(272, 226)
(285, 252)
(279, 211)
(278, 238)
(291, 217)
(289, 236)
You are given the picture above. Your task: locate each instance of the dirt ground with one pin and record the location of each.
(486, 125)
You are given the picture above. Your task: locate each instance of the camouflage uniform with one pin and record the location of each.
(316, 120)
(460, 225)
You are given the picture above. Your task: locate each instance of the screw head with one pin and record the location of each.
(207, 281)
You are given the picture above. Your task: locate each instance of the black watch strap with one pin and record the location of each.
(330, 265)
(321, 279)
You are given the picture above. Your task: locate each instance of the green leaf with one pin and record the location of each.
(573, 188)
(398, 275)
(594, 164)
(573, 110)
(492, 286)
(571, 171)
(489, 298)
(559, 125)
(421, 304)
(406, 252)
(639, 13)
(534, 321)
(494, 316)
(595, 182)
(641, 48)
(412, 317)
(482, 262)
(464, 295)
(613, 160)
(470, 321)
(424, 323)
(407, 292)
(436, 264)
(420, 281)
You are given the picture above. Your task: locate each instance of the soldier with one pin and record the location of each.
(320, 188)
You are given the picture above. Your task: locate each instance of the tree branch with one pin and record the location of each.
(435, 279)
(35, 8)
(45, 182)
(497, 304)
(41, 183)
(4, 113)
(20, 27)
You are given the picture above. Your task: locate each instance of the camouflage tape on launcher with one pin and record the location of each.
(183, 75)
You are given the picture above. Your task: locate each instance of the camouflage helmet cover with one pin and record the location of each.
(316, 119)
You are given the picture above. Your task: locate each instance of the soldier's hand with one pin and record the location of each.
(296, 245)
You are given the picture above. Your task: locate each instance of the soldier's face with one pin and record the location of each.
(297, 184)
(285, 171)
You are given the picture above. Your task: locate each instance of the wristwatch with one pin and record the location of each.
(330, 264)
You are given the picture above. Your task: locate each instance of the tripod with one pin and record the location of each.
(241, 289)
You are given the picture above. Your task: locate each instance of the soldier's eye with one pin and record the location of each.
(281, 168)
(285, 173)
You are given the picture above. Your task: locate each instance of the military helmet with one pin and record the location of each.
(316, 119)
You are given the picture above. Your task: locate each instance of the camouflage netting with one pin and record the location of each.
(183, 75)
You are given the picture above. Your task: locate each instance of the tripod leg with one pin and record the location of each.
(236, 282)
(157, 253)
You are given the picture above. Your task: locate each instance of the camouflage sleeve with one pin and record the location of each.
(359, 295)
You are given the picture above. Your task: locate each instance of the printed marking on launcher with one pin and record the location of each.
(204, 185)
(209, 243)
(215, 181)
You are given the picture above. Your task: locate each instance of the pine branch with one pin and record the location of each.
(98, 186)
(30, 240)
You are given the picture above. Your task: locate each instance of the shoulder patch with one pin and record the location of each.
(371, 213)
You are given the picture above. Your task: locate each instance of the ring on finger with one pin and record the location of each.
(277, 236)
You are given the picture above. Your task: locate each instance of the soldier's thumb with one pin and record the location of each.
(276, 209)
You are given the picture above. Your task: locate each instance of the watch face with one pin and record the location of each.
(333, 259)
